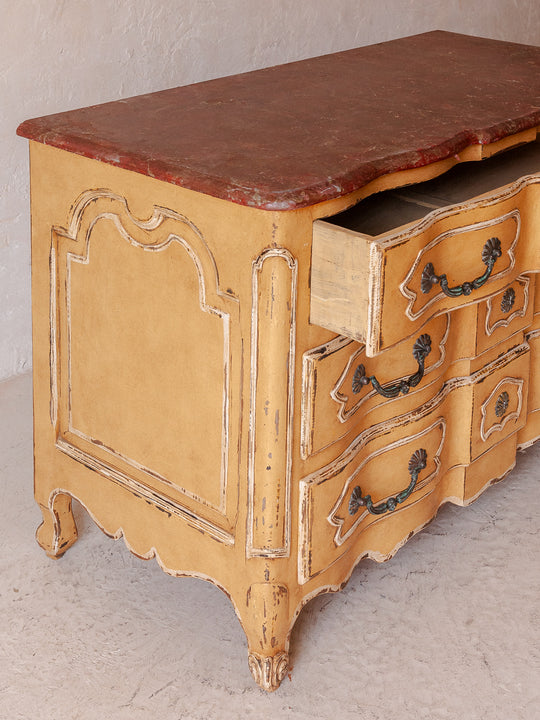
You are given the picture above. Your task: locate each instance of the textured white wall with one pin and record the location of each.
(60, 54)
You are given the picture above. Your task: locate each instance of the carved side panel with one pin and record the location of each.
(271, 406)
(142, 361)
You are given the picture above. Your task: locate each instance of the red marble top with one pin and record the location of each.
(296, 134)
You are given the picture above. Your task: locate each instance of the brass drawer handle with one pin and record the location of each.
(417, 462)
(421, 349)
(490, 252)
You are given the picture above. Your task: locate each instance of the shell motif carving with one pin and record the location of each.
(268, 672)
(418, 461)
(491, 250)
(501, 406)
(508, 300)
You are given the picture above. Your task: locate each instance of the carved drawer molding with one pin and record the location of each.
(509, 305)
(331, 408)
(440, 252)
(503, 405)
(365, 286)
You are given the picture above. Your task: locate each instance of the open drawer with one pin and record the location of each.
(383, 268)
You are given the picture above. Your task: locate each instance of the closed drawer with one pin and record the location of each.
(468, 418)
(531, 432)
(344, 390)
(500, 400)
(505, 313)
(339, 397)
(397, 475)
(381, 286)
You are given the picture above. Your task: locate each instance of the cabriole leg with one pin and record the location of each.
(267, 623)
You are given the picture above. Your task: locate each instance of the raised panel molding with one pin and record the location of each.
(497, 317)
(101, 217)
(273, 340)
(494, 418)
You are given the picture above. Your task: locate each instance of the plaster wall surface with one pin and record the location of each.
(57, 55)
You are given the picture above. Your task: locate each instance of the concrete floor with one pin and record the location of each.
(447, 630)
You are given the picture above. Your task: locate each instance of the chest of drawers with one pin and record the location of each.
(280, 318)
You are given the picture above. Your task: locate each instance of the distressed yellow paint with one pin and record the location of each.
(184, 397)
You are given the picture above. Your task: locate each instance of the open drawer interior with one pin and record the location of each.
(370, 261)
(384, 211)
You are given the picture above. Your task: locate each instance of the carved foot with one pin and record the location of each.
(58, 531)
(268, 672)
(267, 623)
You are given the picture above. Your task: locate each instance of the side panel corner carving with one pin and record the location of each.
(273, 344)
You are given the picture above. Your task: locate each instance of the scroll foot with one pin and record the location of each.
(58, 531)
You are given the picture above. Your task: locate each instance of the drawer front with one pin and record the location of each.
(381, 289)
(342, 502)
(537, 304)
(531, 431)
(339, 397)
(468, 418)
(505, 313)
(459, 264)
(500, 402)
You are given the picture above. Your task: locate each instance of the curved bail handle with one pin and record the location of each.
(417, 463)
(490, 252)
(421, 349)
